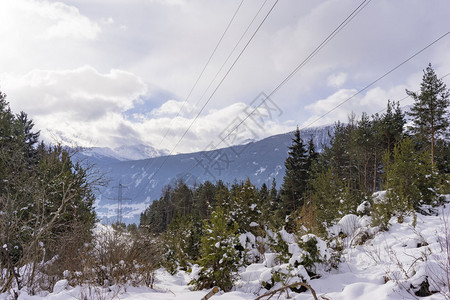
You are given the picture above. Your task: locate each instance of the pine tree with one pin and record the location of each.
(430, 110)
(296, 177)
(392, 123)
(204, 199)
(312, 158)
(363, 145)
(245, 206)
(411, 180)
(219, 261)
(46, 199)
(337, 155)
(181, 243)
(30, 138)
(326, 188)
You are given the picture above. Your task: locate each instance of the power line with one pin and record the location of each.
(408, 96)
(348, 99)
(240, 54)
(378, 79)
(344, 23)
(354, 95)
(198, 78)
(232, 51)
(204, 68)
(347, 20)
(223, 78)
(217, 87)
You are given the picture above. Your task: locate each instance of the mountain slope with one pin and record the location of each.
(143, 180)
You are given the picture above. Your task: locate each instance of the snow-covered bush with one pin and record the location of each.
(296, 259)
(351, 230)
(219, 261)
(118, 258)
(438, 267)
(252, 248)
(283, 275)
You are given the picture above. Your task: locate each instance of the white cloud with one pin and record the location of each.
(65, 21)
(210, 128)
(127, 46)
(337, 80)
(342, 103)
(83, 93)
(46, 20)
(87, 108)
(80, 105)
(173, 108)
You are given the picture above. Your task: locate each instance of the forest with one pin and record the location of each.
(380, 152)
(47, 216)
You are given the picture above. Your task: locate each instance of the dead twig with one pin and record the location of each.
(287, 287)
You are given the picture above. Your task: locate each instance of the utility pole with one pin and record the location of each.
(119, 199)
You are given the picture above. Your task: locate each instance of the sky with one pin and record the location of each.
(128, 72)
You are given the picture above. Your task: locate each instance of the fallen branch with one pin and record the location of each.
(211, 293)
(287, 287)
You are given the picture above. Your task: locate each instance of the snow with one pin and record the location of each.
(124, 153)
(384, 267)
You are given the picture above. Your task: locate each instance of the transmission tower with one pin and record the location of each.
(119, 199)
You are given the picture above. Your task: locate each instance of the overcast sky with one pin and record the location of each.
(108, 73)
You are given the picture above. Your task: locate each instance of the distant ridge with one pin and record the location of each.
(260, 161)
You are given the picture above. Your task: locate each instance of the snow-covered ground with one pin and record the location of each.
(390, 265)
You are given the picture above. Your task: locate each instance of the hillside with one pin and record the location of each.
(144, 179)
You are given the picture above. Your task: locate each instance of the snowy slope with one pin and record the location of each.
(390, 265)
(123, 153)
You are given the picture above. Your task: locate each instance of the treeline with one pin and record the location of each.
(351, 169)
(379, 152)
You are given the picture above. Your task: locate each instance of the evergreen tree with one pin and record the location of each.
(312, 158)
(392, 122)
(363, 146)
(296, 177)
(219, 261)
(430, 110)
(324, 198)
(181, 243)
(388, 131)
(30, 138)
(411, 180)
(222, 196)
(46, 201)
(245, 207)
(337, 155)
(204, 199)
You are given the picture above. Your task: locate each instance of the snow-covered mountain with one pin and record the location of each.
(123, 153)
(144, 178)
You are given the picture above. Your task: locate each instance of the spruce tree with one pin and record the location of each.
(392, 122)
(47, 203)
(411, 180)
(313, 156)
(296, 177)
(219, 261)
(430, 110)
(363, 146)
(245, 206)
(326, 189)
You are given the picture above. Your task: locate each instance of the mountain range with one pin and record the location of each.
(137, 174)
